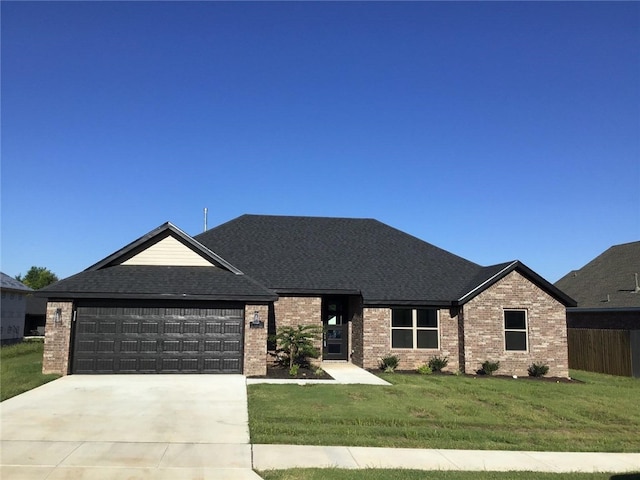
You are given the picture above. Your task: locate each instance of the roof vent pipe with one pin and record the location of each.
(637, 290)
(205, 219)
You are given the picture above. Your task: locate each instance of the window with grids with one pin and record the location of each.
(515, 330)
(414, 328)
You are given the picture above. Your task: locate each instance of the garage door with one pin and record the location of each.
(149, 339)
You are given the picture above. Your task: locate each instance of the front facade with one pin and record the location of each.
(168, 304)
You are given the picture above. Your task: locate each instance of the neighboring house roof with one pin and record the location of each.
(10, 283)
(346, 255)
(180, 269)
(608, 281)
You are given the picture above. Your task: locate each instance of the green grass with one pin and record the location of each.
(386, 474)
(21, 368)
(602, 414)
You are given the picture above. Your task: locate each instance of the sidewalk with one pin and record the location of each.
(271, 457)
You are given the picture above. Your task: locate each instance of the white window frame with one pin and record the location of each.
(524, 330)
(414, 329)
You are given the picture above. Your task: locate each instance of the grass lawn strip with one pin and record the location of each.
(21, 368)
(453, 412)
(386, 474)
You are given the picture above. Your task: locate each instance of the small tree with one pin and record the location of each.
(296, 343)
(38, 277)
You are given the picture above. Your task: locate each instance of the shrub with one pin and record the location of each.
(488, 367)
(436, 364)
(293, 371)
(389, 363)
(295, 344)
(425, 370)
(538, 370)
(318, 372)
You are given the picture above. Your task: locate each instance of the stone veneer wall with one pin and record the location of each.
(546, 323)
(377, 340)
(255, 341)
(57, 339)
(293, 311)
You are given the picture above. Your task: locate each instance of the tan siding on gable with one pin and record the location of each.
(168, 251)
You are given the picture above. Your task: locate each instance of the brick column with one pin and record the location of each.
(57, 338)
(255, 341)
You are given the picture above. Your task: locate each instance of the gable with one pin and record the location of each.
(167, 245)
(489, 276)
(168, 252)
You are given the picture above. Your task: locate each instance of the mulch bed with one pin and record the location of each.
(499, 377)
(303, 374)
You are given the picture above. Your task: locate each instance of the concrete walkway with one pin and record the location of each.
(267, 457)
(342, 373)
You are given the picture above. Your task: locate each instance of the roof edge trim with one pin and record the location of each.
(473, 292)
(545, 285)
(172, 229)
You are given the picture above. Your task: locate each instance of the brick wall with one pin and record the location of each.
(484, 328)
(57, 339)
(357, 338)
(255, 341)
(377, 341)
(293, 311)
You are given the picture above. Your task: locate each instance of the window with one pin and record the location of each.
(515, 330)
(414, 328)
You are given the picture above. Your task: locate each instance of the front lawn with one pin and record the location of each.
(441, 411)
(21, 368)
(386, 474)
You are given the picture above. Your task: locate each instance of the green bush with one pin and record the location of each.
(295, 344)
(389, 363)
(538, 369)
(438, 363)
(425, 370)
(488, 367)
(293, 371)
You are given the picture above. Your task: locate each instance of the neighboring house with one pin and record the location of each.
(605, 325)
(169, 302)
(13, 307)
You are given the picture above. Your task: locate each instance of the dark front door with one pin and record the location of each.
(335, 343)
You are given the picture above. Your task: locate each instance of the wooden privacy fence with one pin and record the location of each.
(603, 351)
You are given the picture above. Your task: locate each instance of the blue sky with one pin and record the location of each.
(497, 131)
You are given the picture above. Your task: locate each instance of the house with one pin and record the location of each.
(12, 307)
(170, 302)
(604, 327)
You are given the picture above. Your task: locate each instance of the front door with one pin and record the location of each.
(335, 343)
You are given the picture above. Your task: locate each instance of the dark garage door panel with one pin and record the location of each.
(113, 339)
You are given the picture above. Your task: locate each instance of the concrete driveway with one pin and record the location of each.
(128, 426)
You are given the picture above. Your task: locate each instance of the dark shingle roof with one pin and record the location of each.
(316, 254)
(10, 283)
(158, 282)
(608, 281)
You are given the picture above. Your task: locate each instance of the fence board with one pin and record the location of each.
(603, 351)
